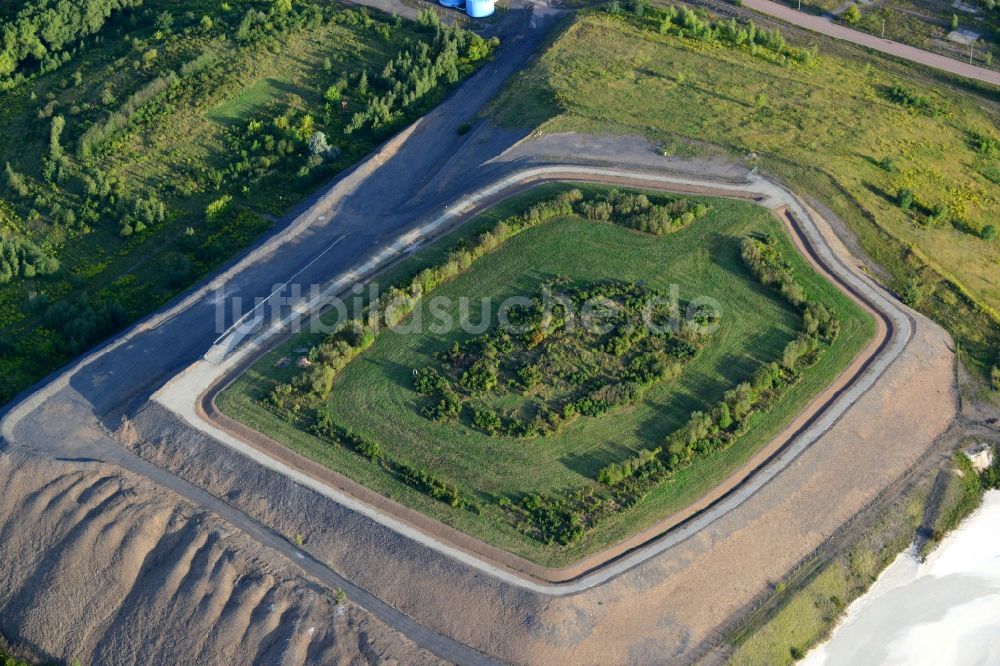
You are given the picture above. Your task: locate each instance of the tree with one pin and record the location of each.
(725, 419)
(989, 232)
(852, 15)
(16, 181)
(164, 21)
(107, 95)
(319, 146)
(332, 94)
(55, 149)
(282, 6)
(954, 21)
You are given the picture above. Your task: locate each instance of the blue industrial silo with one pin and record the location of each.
(479, 8)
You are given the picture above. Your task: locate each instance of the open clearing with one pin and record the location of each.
(374, 394)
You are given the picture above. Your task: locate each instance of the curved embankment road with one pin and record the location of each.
(190, 394)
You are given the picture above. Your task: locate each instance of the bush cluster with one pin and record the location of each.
(911, 100)
(429, 484)
(660, 216)
(559, 519)
(20, 257)
(586, 372)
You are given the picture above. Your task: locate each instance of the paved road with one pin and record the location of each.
(827, 27)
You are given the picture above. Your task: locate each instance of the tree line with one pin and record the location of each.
(696, 24)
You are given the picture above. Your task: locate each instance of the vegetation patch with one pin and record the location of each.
(148, 141)
(547, 436)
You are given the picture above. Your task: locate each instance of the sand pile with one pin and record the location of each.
(103, 567)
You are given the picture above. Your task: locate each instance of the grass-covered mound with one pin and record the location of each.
(586, 477)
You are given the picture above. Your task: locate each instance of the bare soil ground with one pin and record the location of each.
(101, 566)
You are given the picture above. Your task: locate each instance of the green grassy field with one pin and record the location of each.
(252, 100)
(830, 130)
(374, 394)
(234, 125)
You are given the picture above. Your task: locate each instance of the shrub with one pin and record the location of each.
(904, 198)
(852, 15)
(912, 293)
(428, 484)
(215, 209)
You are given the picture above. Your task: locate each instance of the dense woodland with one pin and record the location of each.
(148, 141)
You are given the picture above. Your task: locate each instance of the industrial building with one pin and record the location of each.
(474, 8)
